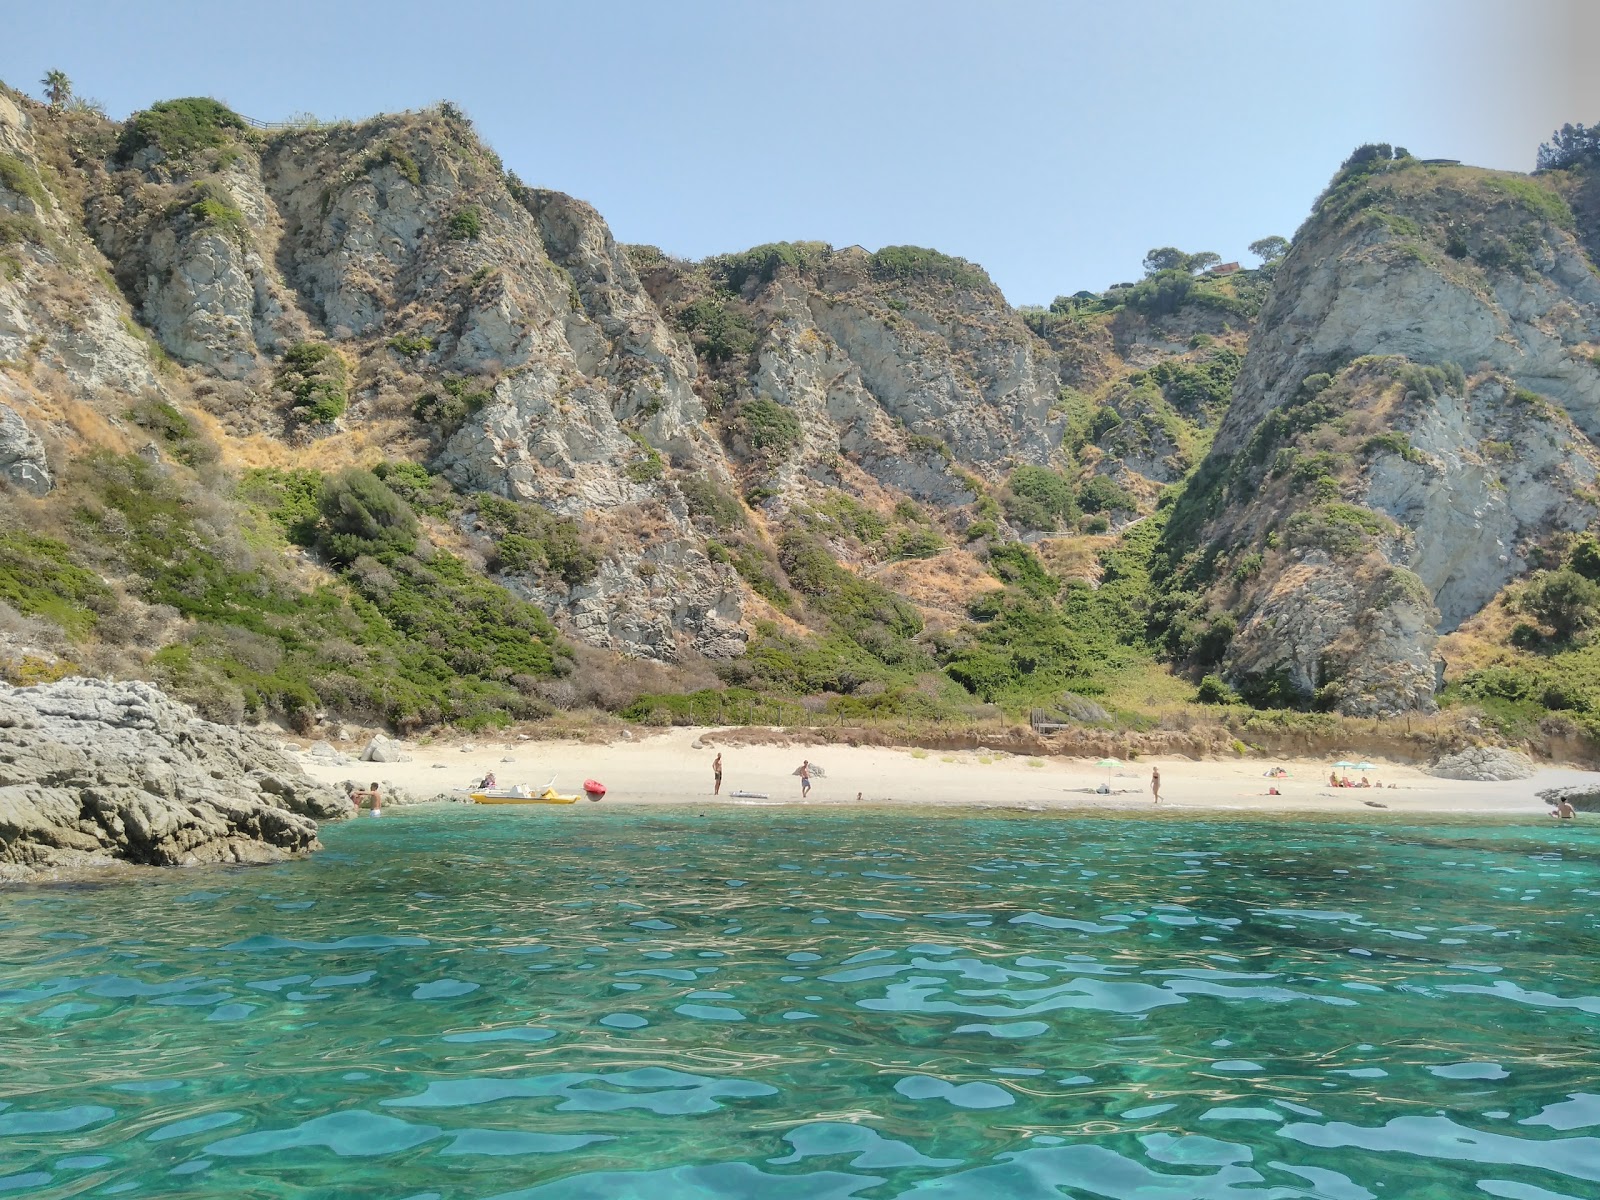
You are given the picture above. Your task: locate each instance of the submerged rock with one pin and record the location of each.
(92, 770)
(1483, 764)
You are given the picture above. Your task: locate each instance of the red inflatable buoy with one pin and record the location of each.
(594, 788)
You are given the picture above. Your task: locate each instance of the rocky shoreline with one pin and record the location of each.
(94, 773)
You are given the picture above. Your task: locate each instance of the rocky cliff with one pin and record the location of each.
(1413, 429)
(348, 418)
(93, 772)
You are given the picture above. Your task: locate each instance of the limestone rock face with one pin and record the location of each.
(1318, 623)
(1484, 764)
(193, 254)
(22, 458)
(93, 771)
(1416, 419)
(49, 314)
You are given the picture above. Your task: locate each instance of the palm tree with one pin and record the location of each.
(57, 89)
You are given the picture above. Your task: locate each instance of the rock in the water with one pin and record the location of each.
(1584, 798)
(382, 749)
(92, 769)
(22, 459)
(1483, 764)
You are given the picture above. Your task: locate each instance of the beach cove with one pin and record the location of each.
(666, 767)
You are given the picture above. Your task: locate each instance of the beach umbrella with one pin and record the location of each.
(1346, 765)
(1365, 766)
(1109, 764)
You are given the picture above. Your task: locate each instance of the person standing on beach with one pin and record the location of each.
(805, 779)
(1155, 783)
(716, 774)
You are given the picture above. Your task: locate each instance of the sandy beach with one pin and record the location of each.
(665, 768)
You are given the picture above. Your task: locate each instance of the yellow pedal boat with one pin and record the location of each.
(512, 796)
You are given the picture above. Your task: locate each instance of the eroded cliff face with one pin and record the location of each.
(196, 268)
(1415, 422)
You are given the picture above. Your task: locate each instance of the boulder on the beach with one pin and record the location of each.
(326, 751)
(1483, 764)
(93, 771)
(382, 749)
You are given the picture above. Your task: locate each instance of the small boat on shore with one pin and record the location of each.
(521, 795)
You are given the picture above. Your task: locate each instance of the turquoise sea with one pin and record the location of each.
(610, 1003)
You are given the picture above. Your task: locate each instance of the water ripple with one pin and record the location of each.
(574, 1006)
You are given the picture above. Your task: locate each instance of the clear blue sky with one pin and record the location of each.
(1051, 142)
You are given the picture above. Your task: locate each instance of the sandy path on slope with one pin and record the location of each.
(665, 768)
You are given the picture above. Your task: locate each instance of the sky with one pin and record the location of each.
(1053, 143)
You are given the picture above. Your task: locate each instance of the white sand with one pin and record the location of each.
(664, 768)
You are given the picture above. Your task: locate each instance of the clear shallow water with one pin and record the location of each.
(611, 1003)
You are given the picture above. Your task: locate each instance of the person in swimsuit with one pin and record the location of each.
(373, 794)
(716, 775)
(1564, 809)
(805, 779)
(1155, 783)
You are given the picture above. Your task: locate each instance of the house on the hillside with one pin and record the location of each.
(1223, 269)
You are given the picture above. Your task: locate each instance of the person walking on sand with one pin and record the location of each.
(372, 793)
(805, 779)
(1155, 783)
(716, 774)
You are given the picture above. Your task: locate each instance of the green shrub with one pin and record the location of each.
(924, 443)
(39, 578)
(180, 127)
(422, 492)
(1340, 529)
(411, 345)
(389, 155)
(17, 176)
(1271, 689)
(769, 427)
(447, 409)
(529, 538)
(465, 224)
(1213, 690)
(1584, 557)
(1015, 564)
(362, 516)
(412, 642)
(762, 262)
(1569, 603)
(290, 499)
(709, 502)
(1393, 442)
(317, 379)
(647, 466)
(981, 529)
(917, 543)
(1543, 202)
(848, 517)
(177, 434)
(1038, 498)
(1102, 494)
(863, 610)
(718, 332)
(917, 263)
(1161, 294)
(1199, 390)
